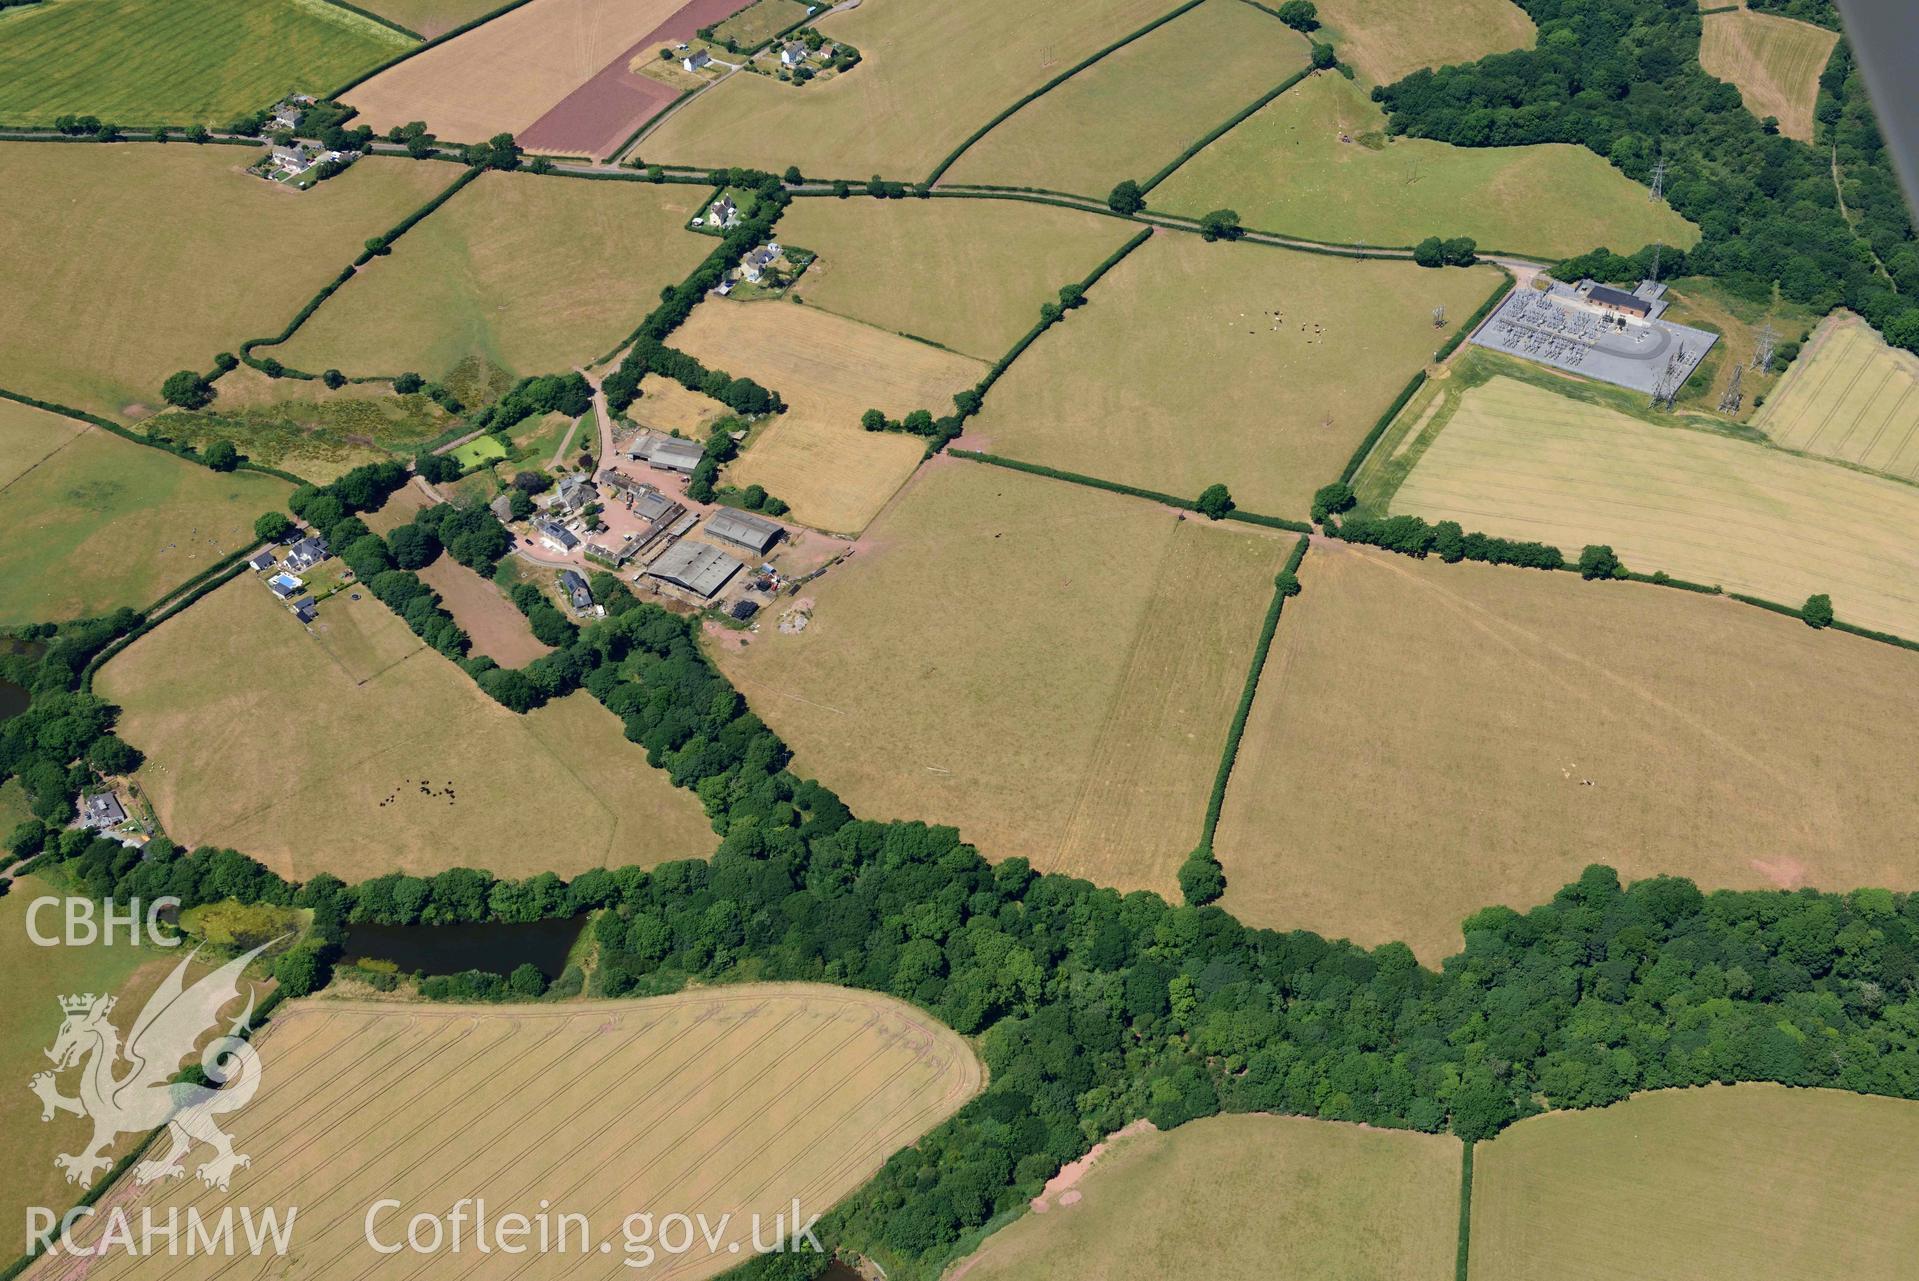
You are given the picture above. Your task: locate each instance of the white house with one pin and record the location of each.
(793, 54)
(695, 60)
(722, 213)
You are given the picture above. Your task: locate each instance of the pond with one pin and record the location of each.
(451, 949)
(14, 698)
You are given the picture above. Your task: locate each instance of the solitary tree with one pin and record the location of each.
(272, 527)
(1214, 502)
(188, 390)
(334, 379)
(1336, 497)
(221, 456)
(1071, 296)
(1221, 224)
(1323, 56)
(1201, 878)
(1301, 15)
(1817, 611)
(1430, 252)
(873, 420)
(407, 384)
(1599, 561)
(1126, 198)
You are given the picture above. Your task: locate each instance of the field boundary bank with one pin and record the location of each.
(440, 39)
(1242, 712)
(1053, 84)
(1129, 491)
(1232, 122)
(368, 13)
(183, 452)
(1462, 1260)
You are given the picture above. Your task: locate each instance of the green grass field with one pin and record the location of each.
(1726, 1183)
(349, 748)
(1244, 1198)
(481, 449)
(1496, 730)
(1193, 364)
(1316, 162)
(1388, 39)
(147, 62)
(1138, 108)
(531, 274)
(900, 264)
(100, 522)
(120, 265)
(1048, 667)
(933, 73)
(1512, 458)
(761, 20)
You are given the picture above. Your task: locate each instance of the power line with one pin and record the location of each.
(1658, 180)
(1729, 403)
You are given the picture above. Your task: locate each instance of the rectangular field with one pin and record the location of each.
(829, 370)
(98, 522)
(1386, 40)
(1048, 667)
(1479, 734)
(178, 62)
(759, 22)
(1520, 461)
(933, 72)
(899, 264)
(1316, 162)
(433, 17)
(532, 275)
(720, 1102)
(1136, 109)
(499, 630)
(1259, 1198)
(257, 738)
(100, 247)
(1193, 364)
(1774, 62)
(1725, 1181)
(1849, 396)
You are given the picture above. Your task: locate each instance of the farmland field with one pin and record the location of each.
(99, 522)
(1257, 1198)
(1775, 63)
(301, 426)
(900, 264)
(1047, 667)
(933, 73)
(529, 274)
(432, 17)
(1169, 378)
(1387, 39)
(1518, 460)
(759, 21)
(99, 246)
(1316, 162)
(666, 406)
(1849, 396)
(729, 1100)
(503, 76)
(499, 630)
(1726, 1181)
(1479, 734)
(829, 370)
(399, 762)
(178, 62)
(1137, 109)
(29, 1011)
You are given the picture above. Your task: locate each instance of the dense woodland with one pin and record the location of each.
(1623, 78)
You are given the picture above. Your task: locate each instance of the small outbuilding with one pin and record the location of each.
(306, 609)
(1606, 298)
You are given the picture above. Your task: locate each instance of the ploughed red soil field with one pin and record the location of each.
(598, 116)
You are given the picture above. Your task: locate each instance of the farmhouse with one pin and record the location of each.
(695, 60)
(752, 533)
(556, 536)
(1606, 298)
(576, 589)
(101, 810)
(700, 568)
(576, 492)
(756, 262)
(793, 55)
(306, 553)
(668, 453)
(722, 213)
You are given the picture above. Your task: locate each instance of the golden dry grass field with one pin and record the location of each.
(761, 20)
(1257, 1198)
(498, 629)
(99, 245)
(1386, 40)
(719, 1101)
(1316, 162)
(178, 62)
(432, 17)
(30, 1012)
(1193, 364)
(1479, 734)
(354, 750)
(1138, 108)
(666, 406)
(1775, 63)
(1714, 1184)
(527, 273)
(502, 76)
(1849, 396)
(829, 370)
(932, 73)
(1047, 667)
(1523, 462)
(1704, 303)
(900, 264)
(90, 522)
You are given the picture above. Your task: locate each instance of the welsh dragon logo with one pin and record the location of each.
(144, 1096)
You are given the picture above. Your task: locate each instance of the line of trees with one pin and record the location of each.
(1412, 536)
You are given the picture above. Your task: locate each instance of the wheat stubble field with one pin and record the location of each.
(719, 1101)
